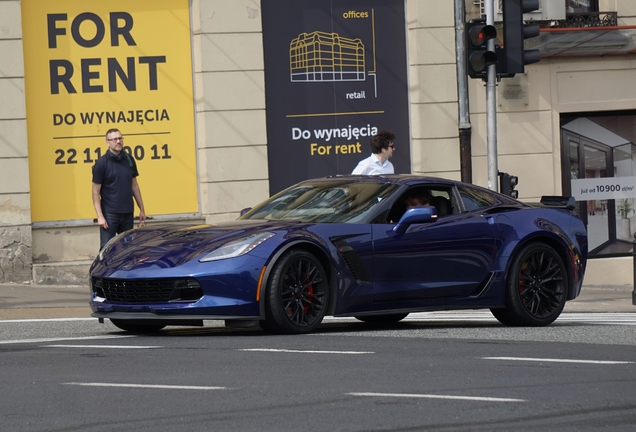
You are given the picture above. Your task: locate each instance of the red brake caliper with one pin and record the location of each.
(310, 290)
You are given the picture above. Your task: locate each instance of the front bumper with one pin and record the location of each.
(226, 290)
(175, 318)
(207, 307)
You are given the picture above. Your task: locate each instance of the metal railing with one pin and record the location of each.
(590, 19)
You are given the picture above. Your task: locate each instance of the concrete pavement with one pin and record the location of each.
(27, 301)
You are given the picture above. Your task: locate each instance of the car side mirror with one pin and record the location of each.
(245, 210)
(416, 215)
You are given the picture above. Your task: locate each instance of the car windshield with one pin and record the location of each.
(324, 202)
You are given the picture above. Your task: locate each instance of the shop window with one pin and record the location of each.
(601, 146)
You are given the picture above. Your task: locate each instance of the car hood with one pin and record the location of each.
(166, 246)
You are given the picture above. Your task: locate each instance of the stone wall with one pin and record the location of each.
(15, 204)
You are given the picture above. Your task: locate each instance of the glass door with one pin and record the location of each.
(587, 159)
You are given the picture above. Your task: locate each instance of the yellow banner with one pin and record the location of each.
(93, 66)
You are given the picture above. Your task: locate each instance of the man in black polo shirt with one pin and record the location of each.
(114, 186)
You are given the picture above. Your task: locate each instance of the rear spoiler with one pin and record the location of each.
(565, 202)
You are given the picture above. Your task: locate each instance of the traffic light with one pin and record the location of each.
(515, 32)
(507, 184)
(478, 58)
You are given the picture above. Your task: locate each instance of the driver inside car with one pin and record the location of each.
(415, 198)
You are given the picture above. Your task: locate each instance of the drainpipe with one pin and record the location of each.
(465, 150)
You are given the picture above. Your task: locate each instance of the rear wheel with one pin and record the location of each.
(536, 289)
(138, 326)
(382, 319)
(297, 294)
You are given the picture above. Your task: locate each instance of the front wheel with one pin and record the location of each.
(297, 294)
(536, 289)
(138, 326)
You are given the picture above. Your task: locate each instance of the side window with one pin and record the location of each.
(437, 196)
(414, 196)
(474, 199)
(443, 202)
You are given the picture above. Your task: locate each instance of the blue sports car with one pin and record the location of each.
(349, 246)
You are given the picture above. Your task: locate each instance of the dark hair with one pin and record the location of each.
(422, 195)
(110, 131)
(381, 140)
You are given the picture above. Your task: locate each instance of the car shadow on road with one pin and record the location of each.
(324, 328)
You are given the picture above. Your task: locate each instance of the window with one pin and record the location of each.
(474, 199)
(598, 146)
(438, 196)
(324, 202)
(581, 6)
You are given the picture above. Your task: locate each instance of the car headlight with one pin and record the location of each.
(107, 246)
(237, 247)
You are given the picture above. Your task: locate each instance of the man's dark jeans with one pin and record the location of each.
(117, 223)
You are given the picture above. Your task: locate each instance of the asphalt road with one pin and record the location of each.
(436, 371)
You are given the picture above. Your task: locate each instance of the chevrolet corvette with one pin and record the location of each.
(348, 246)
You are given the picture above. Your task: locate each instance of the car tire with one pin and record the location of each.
(138, 326)
(297, 294)
(536, 288)
(382, 319)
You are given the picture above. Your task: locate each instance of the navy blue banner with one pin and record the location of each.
(335, 74)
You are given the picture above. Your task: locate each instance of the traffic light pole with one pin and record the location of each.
(465, 128)
(491, 106)
(483, 61)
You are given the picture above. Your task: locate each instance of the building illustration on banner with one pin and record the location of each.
(329, 57)
(320, 56)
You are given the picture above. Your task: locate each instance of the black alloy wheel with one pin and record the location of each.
(297, 294)
(536, 289)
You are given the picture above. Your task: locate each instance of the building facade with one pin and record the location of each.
(565, 111)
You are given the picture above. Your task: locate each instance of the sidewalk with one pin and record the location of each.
(25, 301)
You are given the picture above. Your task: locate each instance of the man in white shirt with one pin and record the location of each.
(382, 149)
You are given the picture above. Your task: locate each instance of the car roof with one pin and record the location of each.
(409, 179)
(400, 179)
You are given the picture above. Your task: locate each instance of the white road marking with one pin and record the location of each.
(152, 386)
(600, 317)
(25, 320)
(305, 351)
(104, 346)
(432, 396)
(45, 340)
(547, 360)
(603, 318)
